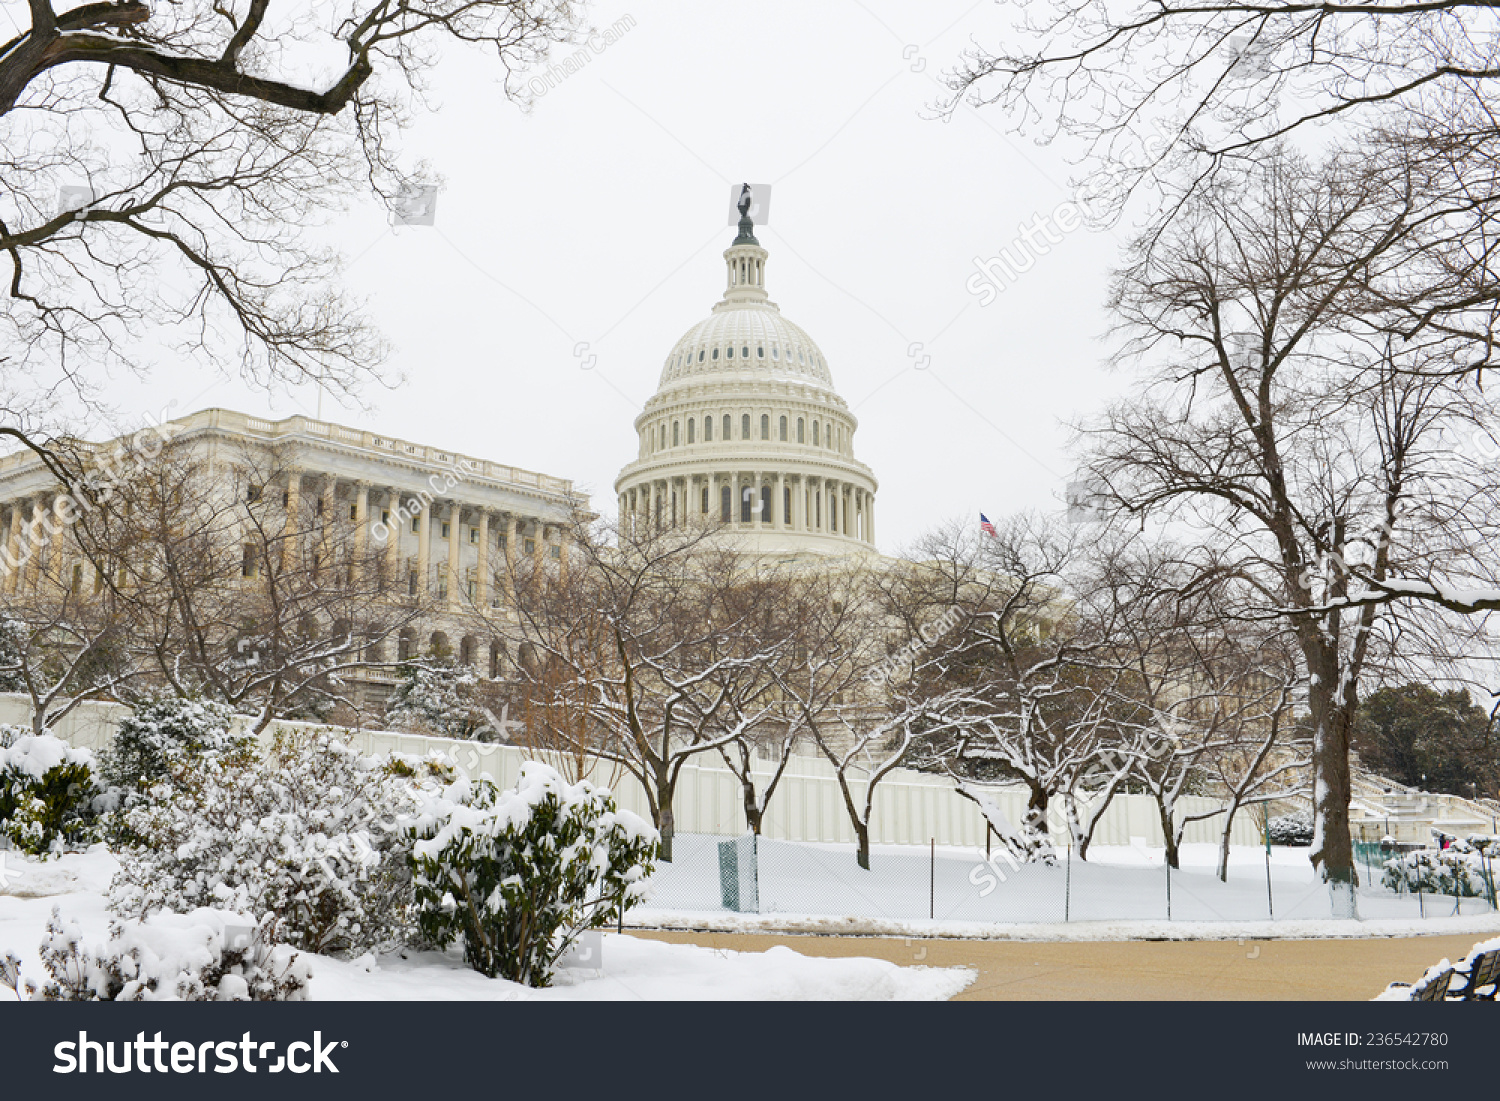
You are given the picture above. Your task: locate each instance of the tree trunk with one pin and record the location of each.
(666, 824)
(1333, 848)
(1169, 835)
(1229, 813)
(862, 854)
(752, 809)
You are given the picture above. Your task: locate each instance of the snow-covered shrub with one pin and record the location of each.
(1291, 829)
(518, 875)
(1438, 872)
(306, 833)
(437, 698)
(47, 792)
(158, 732)
(204, 956)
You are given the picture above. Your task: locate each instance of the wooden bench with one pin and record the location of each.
(1480, 974)
(1431, 987)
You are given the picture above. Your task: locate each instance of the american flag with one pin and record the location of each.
(987, 527)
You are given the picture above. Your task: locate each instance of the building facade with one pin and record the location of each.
(746, 429)
(448, 527)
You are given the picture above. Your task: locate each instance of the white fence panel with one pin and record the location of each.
(911, 808)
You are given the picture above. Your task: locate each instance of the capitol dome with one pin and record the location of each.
(746, 429)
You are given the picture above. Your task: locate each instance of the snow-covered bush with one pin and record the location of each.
(1291, 829)
(161, 730)
(437, 698)
(518, 875)
(204, 956)
(1438, 872)
(306, 833)
(47, 792)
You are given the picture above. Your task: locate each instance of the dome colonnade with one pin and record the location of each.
(746, 429)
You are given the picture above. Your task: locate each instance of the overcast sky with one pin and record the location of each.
(599, 218)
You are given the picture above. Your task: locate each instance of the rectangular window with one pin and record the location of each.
(531, 546)
(786, 505)
(725, 503)
(252, 494)
(502, 541)
(247, 560)
(442, 586)
(385, 516)
(416, 525)
(445, 529)
(473, 535)
(556, 551)
(783, 430)
(354, 511)
(411, 583)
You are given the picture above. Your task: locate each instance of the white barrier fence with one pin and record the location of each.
(911, 808)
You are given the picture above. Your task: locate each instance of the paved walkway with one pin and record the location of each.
(1286, 970)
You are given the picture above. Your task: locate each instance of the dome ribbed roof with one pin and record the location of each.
(745, 342)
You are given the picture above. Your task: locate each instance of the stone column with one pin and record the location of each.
(393, 538)
(361, 523)
(424, 548)
(482, 567)
(13, 547)
(290, 535)
(455, 541)
(512, 533)
(870, 520)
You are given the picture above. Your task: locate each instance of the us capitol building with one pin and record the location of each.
(747, 429)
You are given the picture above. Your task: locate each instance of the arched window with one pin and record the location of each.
(726, 502)
(729, 352)
(676, 433)
(728, 428)
(833, 511)
(815, 433)
(799, 357)
(692, 426)
(760, 351)
(700, 355)
(716, 353)
(801, 430)
(705, 500)
(747, 504)
(775, 352)
(765, 504)
(745, 352)
(497, 654)
(708, 429)
(783, 430)
(786, 505)
(765, 426)
(745, 426)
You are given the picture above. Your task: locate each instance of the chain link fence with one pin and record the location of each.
(724, 876)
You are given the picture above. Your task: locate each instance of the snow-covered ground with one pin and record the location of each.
(1120, 892)
(633, 968)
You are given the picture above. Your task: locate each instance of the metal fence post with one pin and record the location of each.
(1068, 887)
(932, 881)
(1167, 864)
(1270, 896)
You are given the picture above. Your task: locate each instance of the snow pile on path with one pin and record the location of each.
(647, 970)
(634, 969)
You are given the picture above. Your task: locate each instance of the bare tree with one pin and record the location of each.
(1157, 81)
(68, 643)
(635, 626)
(162, 162)
(242, 588)
(1283, 425)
